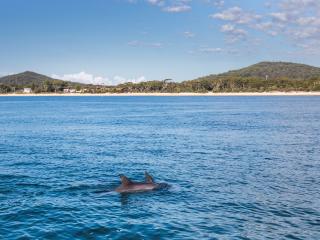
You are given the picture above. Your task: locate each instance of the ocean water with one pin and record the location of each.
(238, 167)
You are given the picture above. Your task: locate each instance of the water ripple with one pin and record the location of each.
(237, 167)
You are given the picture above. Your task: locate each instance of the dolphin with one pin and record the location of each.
(128, 186)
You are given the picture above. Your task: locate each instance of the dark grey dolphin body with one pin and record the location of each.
(128, 186)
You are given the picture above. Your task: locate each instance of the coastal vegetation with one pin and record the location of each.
(261, 77)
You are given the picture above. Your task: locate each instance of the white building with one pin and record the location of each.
(69, 90)
(27, 90)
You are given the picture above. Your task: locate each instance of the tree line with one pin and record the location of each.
(202, 85)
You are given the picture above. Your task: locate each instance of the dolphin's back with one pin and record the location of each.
(136, 187)
(129, 186)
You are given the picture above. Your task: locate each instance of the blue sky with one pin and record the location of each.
(113, 41)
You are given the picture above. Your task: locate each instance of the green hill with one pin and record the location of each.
(264, 76)
(38, 83)
(277, 70)
(25, 78)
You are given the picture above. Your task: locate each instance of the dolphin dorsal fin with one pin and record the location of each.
(124, 180)
(149, 179)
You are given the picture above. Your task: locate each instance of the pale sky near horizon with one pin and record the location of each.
(114, 41)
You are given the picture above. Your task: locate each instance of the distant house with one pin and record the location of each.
(69, 90)
(27, 90)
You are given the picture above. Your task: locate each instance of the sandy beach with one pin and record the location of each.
(165, 94)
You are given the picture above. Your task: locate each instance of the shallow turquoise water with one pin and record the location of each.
(239, 167)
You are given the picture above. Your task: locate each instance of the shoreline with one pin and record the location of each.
(186, 94)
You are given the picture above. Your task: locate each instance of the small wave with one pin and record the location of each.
(200, 153)
(25, 164)
(32, 185)
(88, 187)
(12, 176)
(5, 191)
(282, 213)
(92, 232)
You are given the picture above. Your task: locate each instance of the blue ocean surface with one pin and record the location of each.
(238, 167)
